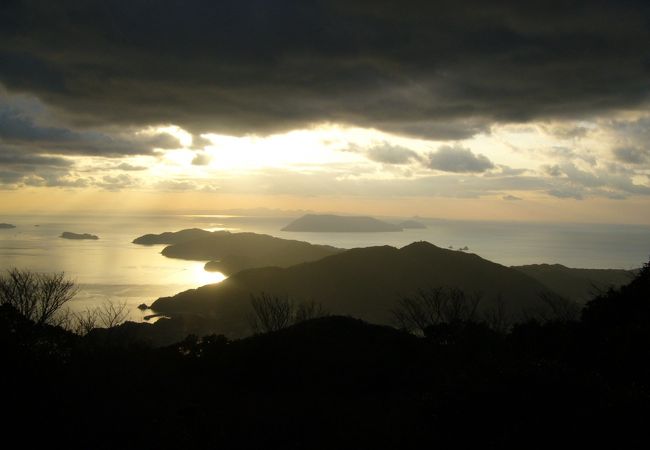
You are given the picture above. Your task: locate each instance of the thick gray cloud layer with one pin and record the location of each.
(33, 151)
(444, 69)
(19, 128)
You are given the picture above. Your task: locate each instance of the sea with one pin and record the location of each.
(114, 269)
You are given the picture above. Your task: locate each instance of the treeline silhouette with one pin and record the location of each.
(334, 381)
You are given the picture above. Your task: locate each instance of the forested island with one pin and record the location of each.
(229, 253)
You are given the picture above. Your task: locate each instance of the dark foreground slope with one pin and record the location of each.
(579, 285)
(364, 283)
(337, 382)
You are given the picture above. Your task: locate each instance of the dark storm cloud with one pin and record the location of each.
(8, 178)
(458, 159)
(445, 69)
(20, 167)
(14, 157)
(19, 129)
(632, 155)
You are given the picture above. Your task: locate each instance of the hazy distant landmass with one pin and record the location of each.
(344, 224)
(412, 224)
(580, 285)
(231, 252)
(364, 283)
(6, 226)
(78, 236)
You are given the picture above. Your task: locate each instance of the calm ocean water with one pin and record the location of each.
(112, 268)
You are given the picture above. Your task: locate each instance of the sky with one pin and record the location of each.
(501, 110)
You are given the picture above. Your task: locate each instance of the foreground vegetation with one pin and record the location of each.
(340, 382)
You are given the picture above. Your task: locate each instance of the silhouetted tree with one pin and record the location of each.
(81, 322)
(436, 306)
(37, 296)
(107, 315)
(307, 311)
(497, 317)
(272, 313)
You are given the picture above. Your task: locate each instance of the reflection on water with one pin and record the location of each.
(202, 277)
(111, 268)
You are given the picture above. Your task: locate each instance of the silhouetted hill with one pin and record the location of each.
(411, 224)
(346, 224)
(364, 283)
(579, 285)
(78, 236)
(6, 226)
(172, 237)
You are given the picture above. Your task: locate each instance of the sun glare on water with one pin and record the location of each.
(199, 276)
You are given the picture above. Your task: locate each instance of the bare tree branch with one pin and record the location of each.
(435, 306)
(272, 313)
(39, 297)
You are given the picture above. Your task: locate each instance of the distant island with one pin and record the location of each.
(339, 224)
(6, 226)
(412, 224)
(78, 236)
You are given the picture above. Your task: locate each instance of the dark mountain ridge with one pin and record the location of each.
(363, 282)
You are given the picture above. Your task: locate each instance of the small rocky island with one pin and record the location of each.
(78, 236)
(6, 226)
(341, 224)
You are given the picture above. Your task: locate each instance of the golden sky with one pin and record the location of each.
(546, 171)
